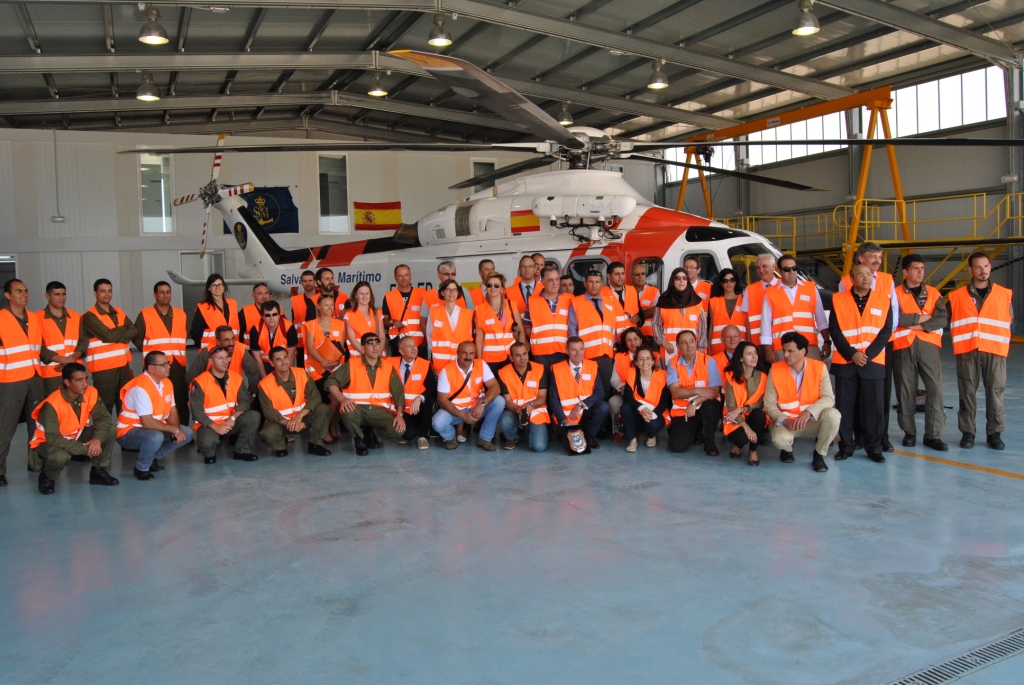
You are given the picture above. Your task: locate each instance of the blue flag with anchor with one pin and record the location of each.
(273, 209)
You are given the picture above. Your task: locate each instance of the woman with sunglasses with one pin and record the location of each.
(361, 317)
(215, 310)
(321, 329)
(646, 399)
(744, 421)
(498, 324)
(679, 309)
(447, 325)
(724, 308)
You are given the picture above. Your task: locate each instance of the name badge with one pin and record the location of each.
(608, 307)
(876, 312)
(703, 296)
(693, 317)
(438, 324)
(805, 298)
(415, 376)
(489, 322)
(700, 384)
(335, 334)
(415, 308)
(531, 384)
(585, 376)
(563, 312)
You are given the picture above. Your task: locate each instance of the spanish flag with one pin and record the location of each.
(524, 221)
(378, 216)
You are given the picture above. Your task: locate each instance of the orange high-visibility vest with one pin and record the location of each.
(739, 393)
(444, 340)
(703, 290)
(71, 425)
(623, 363)
(675, 321)
(498, 337)
(361, 391)
(648, 298)
(280, 337)
(860, 329)
(791, 402)
(475, 389)
(218, 405)
(571, 393)
(361, 324)
(550, 330)
(478, 296)
(302, 311)
(598, 331)
(103, 356)
(631, 305)
(720, 319)
(214, 318)
(253, 318)
(754, 296)
(162, 399)
(722, 362)
(313, 328)
(416, 384)
(524, 390)
(797, 316)
(652, 394)
(159, 339)
(238, 353)
(882, 282)
(987, 330)
(62, 344)
(903, 337)
(514, 293)
(408, 314)
(698, 379)
(278, 396)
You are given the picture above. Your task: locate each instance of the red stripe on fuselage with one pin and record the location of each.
(342, 254)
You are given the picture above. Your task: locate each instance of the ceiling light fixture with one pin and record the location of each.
(377, 90)
(807, 24)
(658, 79)
(152, 32)
(439, 36)
(147, 92)
(564, 115)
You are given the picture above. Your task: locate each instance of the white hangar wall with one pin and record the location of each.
(99, 197)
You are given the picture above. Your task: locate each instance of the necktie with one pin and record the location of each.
(405, 374)
(529, 291)
(597, 306)
(576, 372)
(622, 297)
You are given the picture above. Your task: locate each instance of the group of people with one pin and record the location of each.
(527, 358)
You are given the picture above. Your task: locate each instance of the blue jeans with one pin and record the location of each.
(151, 444)
(444, 423)
(537, 432)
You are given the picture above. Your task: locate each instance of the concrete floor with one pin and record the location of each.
(473, 567)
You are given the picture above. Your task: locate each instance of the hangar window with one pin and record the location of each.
(155, 193)
(481, 167)
(334, 195)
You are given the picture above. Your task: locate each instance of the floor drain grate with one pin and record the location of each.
(972, 661)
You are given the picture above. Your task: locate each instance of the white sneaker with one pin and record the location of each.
(651, 442)
(422, 444)
(460, 437)
(631, 447)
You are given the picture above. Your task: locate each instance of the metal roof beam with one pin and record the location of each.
(108, 27)
(926, 27)
(16, 108)
(254, 26)
(26, 25)
(319, 29)
(183, 24)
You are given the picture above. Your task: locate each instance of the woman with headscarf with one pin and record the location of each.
(679, 309)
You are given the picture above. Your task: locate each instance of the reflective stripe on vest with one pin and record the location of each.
(597, 330)
(860, 329)
(161, 398)
(903, 337)
(675, 321)
(159, 339)
(286, 406)
(739, 394)
(472, 391)
(648, 299)
(102, 356)
(698, 379)
(19, 353)
(755, 303)
(987, 330)
(571, 393)
(361, 325)
(797, 316)
(62, 344)
(214, 318)
(652, 393)
(720, 319)
(416, 385)
(791, 402)
(314, 329)
(550, 330)
(411, 317)
(217, 404)
(361, 391)
(444, 341)
(521, 391)
(71, 425)
(498, 336)
(280, 337)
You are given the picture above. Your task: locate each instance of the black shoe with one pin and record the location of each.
(209, 460)
(843, 452)
(317, 450)
(155, 467)
(371, 439)
(143, 475)
(818, 463)
(244, 456)
(785, 457)
(81, 458)
(361, 448)
(967, 441)
(936, 444)
(592, 442)
(602, 434)
(886, 445)
(996, 442)
(3, 481)
(280, 453)
(908, 440)
(100, 476)
(876, 457)
(46, 485)
(711, 449)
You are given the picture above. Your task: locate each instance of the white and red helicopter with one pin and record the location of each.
(579, 218)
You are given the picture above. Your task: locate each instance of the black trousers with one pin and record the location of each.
(865, 396)
(605, 366)
(858, 426)
(418, 425)
(683, 433)
(591, 421)
(757, 421)
(177, 377)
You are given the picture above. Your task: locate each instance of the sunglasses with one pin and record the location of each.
(372, 341)
(494, 285)
(728, 280)
(787, 269)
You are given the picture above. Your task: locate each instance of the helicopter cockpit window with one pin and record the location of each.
(705, 234)
(655, 270)
(742, 258)
(579, 268)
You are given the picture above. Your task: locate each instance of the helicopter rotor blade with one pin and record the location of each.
(217, 158)
(202, 247)
(504, 171)
(900, 142)
(753, 178)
